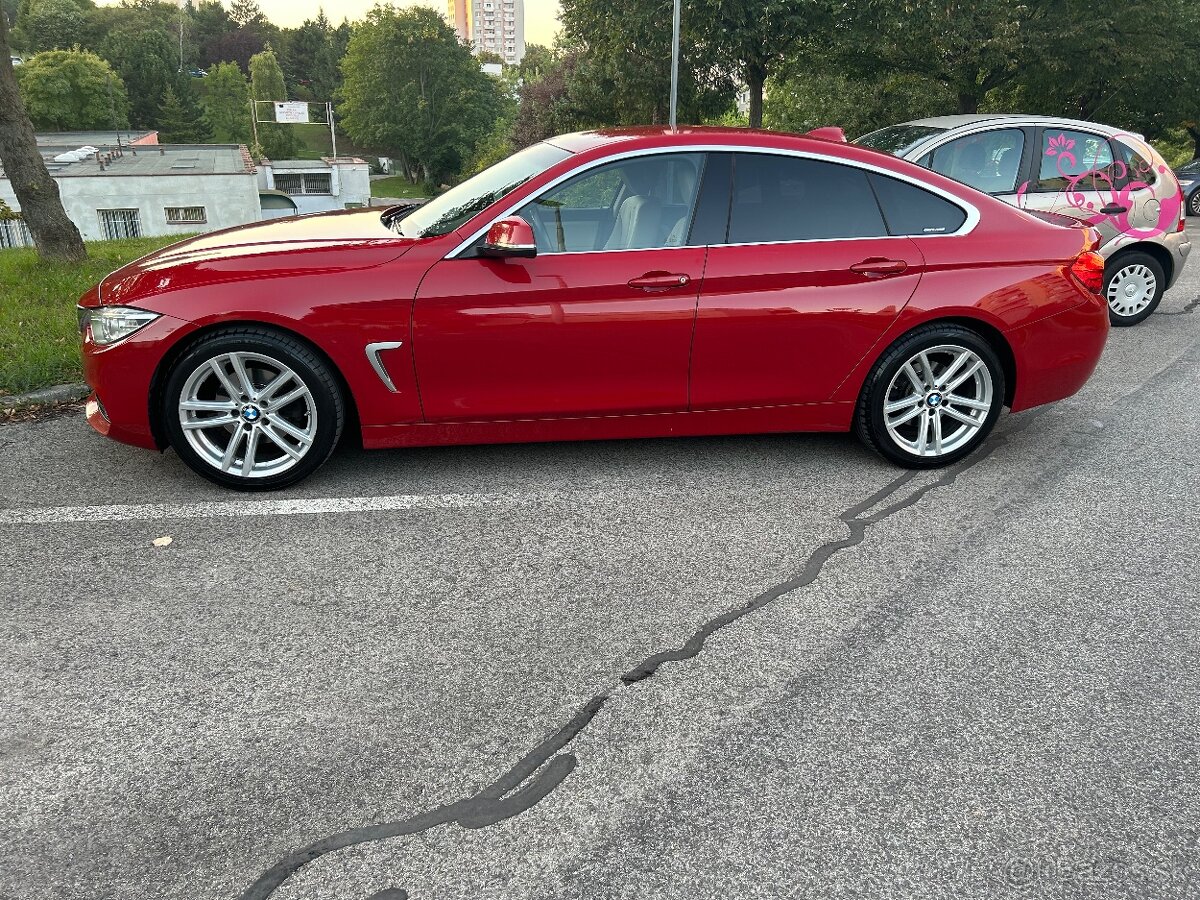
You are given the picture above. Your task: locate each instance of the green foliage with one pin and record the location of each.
(311, 61)
(800, 100)
(622, 68)
(49, 24)
(147, 63)
(68, 90)
(227, 102)
(398, 186)
(180, 119)
(266, 83)
(39, 337)
(412, 90)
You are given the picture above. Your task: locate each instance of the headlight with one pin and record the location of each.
(110, 324)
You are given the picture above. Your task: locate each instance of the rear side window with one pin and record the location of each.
(786, 198)
(915, 211)
(1075, 160)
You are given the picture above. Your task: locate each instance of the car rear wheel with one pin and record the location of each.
(1194, 203)
(932, 397)
(1133, 286)
(252, 409)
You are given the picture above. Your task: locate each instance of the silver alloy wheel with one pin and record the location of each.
(248, 414)
(1195, 203)
(1131, 289)
(938, 400)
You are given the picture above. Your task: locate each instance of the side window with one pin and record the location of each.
(1138, 168)
(633, 204)
(989, 162)
(786, 198)
(1075, 160)
(911, 210)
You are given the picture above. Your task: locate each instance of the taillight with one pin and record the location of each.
(1182, 226)
(1088, 270)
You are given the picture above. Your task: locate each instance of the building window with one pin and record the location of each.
(14, 233)
(186, 215)
(119, 223)
(307, 183)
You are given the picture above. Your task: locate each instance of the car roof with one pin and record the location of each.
(961, 121)
(658, 136)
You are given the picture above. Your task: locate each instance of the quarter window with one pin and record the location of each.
(911, 210)
(989, 162)
(1138, 169)
(633, 204)
(1075, 160)
(787, 198)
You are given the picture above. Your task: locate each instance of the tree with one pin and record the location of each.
(800, 99)
(50, 24)
(310, 59)
(55, 236)
(623, 69)
(755, 38)
(239, 46)
(266, 83)
(210, 24)
(247, 14)
(180, 118)
(147, 63)
(412, 90)
(227, 101)
(72, 90)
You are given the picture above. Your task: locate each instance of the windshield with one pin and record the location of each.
(444, 213)
(898, 139)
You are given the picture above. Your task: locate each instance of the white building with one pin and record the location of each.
(313, 185)
(498, 26)
(145, 189)
(128, 185)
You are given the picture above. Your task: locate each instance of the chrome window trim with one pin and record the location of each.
(966, 228)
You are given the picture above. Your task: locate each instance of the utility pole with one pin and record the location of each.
(675, 66)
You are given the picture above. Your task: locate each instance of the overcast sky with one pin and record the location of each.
(541, 16)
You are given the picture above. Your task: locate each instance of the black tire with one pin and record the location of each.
(320, 411)
(1193, 203)
(885, 379)
(1129, 261)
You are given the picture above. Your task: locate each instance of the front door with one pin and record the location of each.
(598, 323)
(804, 285)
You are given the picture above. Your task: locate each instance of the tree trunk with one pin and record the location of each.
(755, 79)
(967, 103)
(54, 234)
(1194, 133)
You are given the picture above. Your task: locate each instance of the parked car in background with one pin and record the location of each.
(1110, 179)
(611, 284)
(15, 60)
(1189, 183)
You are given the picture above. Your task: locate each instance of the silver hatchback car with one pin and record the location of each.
(1109, 178)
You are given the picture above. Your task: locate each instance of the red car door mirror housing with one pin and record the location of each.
(509, 237)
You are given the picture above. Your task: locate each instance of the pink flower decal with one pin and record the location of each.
(1060, 143)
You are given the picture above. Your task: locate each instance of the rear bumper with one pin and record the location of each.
(121, 376)
(1056, 356)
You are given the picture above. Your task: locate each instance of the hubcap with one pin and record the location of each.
(1131, 290)
(1195, 204)
(248, 414)
(938, 400)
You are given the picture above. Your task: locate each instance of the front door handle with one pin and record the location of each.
(660, 281)
(877, 267)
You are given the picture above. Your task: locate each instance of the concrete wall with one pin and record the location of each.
(350, 183)
(227, 200)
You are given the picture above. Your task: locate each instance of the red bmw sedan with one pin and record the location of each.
(610, 284)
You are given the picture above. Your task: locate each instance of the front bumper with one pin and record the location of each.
(121, 377)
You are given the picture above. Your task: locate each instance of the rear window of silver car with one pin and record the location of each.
(898, 139)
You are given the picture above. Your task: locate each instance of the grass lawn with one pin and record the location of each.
(397, 186)
(39, 337)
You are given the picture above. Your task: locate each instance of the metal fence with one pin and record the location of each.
(15, 233)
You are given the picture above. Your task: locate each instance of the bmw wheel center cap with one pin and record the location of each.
(250, 413)
(934, 400)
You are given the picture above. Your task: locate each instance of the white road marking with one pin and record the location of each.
(49, 515)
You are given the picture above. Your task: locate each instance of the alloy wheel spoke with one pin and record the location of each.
(289, 397)
(207, 405)
(937, 432)
(956, 400)
(218, 367)
(231, 450)
(251, 452)
(302, 437)
(927, 370)
(906, 417)
(975, 367)
(903, 403)
(269, 391)
(282, 442)
(960, 417)
(917, 384)
(923, 435)
(214, 422)
(243, 377)
(955, 366)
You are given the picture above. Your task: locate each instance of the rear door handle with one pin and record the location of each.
(660, 281)
(1114, 209)
(878, 267)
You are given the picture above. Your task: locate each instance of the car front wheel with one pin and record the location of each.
(1133, 286)
(252, 409)
(1194, 203)
(932, 398)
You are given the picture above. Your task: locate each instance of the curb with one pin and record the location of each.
(60, 393)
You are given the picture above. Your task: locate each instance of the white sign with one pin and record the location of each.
(292, 113)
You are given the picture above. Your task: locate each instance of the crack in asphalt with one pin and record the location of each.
(545, 767)
(1190, 307)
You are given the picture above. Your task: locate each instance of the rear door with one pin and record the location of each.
(1075, 173)
(805, 280)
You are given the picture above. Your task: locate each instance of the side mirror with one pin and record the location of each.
(509, 237)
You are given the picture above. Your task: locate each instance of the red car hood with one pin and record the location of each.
(298, 245)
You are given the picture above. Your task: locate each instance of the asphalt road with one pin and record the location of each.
(438, 673)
